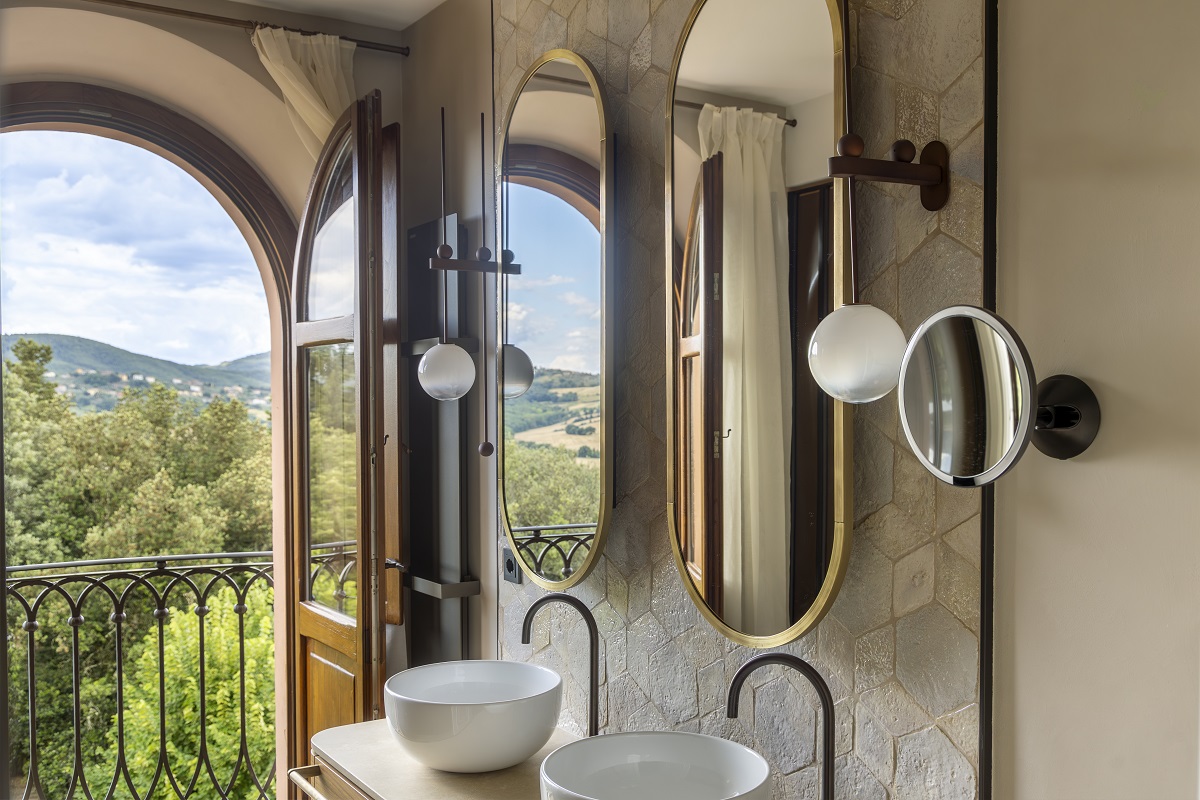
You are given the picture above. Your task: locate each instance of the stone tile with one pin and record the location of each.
(962, 217)
(618, 592)
(594, 50)
(785, 726)
(874, 746)
(618, 70)
(916, 115)
(966, 160)
(873, 462)
(836, 647)
(914, 223)
(930, 46)
(592, 590)
(955, 504)
(639, 55)
(958, 586)
(853, 779)
(673, 686)
(913, 585)
(666, 30)
(893, 531)
(735, 730)
(874, 658)
(551, 33)
(895, 709)
(942, 273)
(843, 726)
(625, 697)
(802, 785)
(892, 8)
(712, 687)
(962, 727)
(874, 110)
(646, 92)
(648, 718)
(961, 108)
(597, 17)
(615, 653)
(937, 659)
(965, 541)
(929, 767)
(865, 601)
(669, 602)
(625, 27)
(700, 645)
(876, 232)
(915, 491)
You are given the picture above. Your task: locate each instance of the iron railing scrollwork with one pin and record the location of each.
(104, 629)
(544, 547)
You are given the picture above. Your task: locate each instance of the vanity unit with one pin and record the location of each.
(356, 762)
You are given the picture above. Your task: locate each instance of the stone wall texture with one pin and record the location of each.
(900, 647)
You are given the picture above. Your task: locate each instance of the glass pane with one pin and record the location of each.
(332, 477)
(331, 268)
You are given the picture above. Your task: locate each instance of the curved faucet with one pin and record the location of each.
(814, 677)
(593, 648)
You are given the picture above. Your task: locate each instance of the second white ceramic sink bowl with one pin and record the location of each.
(655, 766)
(473, 716)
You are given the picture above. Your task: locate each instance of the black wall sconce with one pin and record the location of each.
(932, 173)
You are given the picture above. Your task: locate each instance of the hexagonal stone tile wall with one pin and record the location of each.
(900, 647)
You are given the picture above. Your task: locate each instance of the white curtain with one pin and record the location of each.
(757, 366)
(315, 74)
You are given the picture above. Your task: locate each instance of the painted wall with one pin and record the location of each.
(900, 646)
(1098, 574)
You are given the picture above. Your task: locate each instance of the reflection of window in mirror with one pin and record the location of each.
(753, 123)
(552, 432)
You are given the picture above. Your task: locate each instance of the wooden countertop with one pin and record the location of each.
(368, 755)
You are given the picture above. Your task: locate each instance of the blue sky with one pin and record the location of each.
(102, 239)
(554, 304)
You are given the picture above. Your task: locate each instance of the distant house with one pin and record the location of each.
(48, 374)
(196, 389)
(150, 379)
(176, 381)
(138, 377)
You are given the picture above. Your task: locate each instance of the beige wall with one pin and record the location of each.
(1098, 574)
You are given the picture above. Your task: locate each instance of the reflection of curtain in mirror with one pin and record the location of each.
(757, 366)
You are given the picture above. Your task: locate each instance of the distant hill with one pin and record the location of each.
(95, 374)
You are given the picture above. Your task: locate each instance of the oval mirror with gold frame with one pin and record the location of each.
(555, 403)
(759, 459)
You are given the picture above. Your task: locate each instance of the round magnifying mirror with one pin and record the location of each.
(968, 397)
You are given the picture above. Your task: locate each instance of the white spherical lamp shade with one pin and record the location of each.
(446, 372)
(855, 353)
(518, 372)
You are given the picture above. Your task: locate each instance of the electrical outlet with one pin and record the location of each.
(512, 572)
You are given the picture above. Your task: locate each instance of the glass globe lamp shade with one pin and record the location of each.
(855, 353)
(518, 372)
(446, 372)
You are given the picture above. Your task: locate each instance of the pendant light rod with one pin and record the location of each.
(445, 251)
(851, 192)
(486, 448)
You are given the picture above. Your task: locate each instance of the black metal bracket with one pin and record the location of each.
(1068, 417)
(435, 589)
(932, 173)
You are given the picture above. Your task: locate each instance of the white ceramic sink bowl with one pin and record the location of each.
(473, 716)
(655, 766)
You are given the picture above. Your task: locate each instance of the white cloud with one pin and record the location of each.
(541, 283)
(105, 240)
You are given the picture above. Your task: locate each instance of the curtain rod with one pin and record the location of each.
(791, 123)
(245, 24)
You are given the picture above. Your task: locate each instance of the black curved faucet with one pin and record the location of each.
(593, 648)
(807, 670)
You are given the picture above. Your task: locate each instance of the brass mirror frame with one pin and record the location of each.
(604, 512)
(843, 419)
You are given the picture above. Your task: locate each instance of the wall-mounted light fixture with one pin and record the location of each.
(855, 352)
(446, 371)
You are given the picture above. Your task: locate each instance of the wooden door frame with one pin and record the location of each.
(86, 108)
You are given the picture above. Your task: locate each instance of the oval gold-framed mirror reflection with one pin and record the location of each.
(554, 318)
(759, 469)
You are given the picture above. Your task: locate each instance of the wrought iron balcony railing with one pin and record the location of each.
(148, 677)
(544, 547)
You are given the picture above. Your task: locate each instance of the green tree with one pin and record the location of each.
(161, 518)
(223, 704)
(30, 367)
